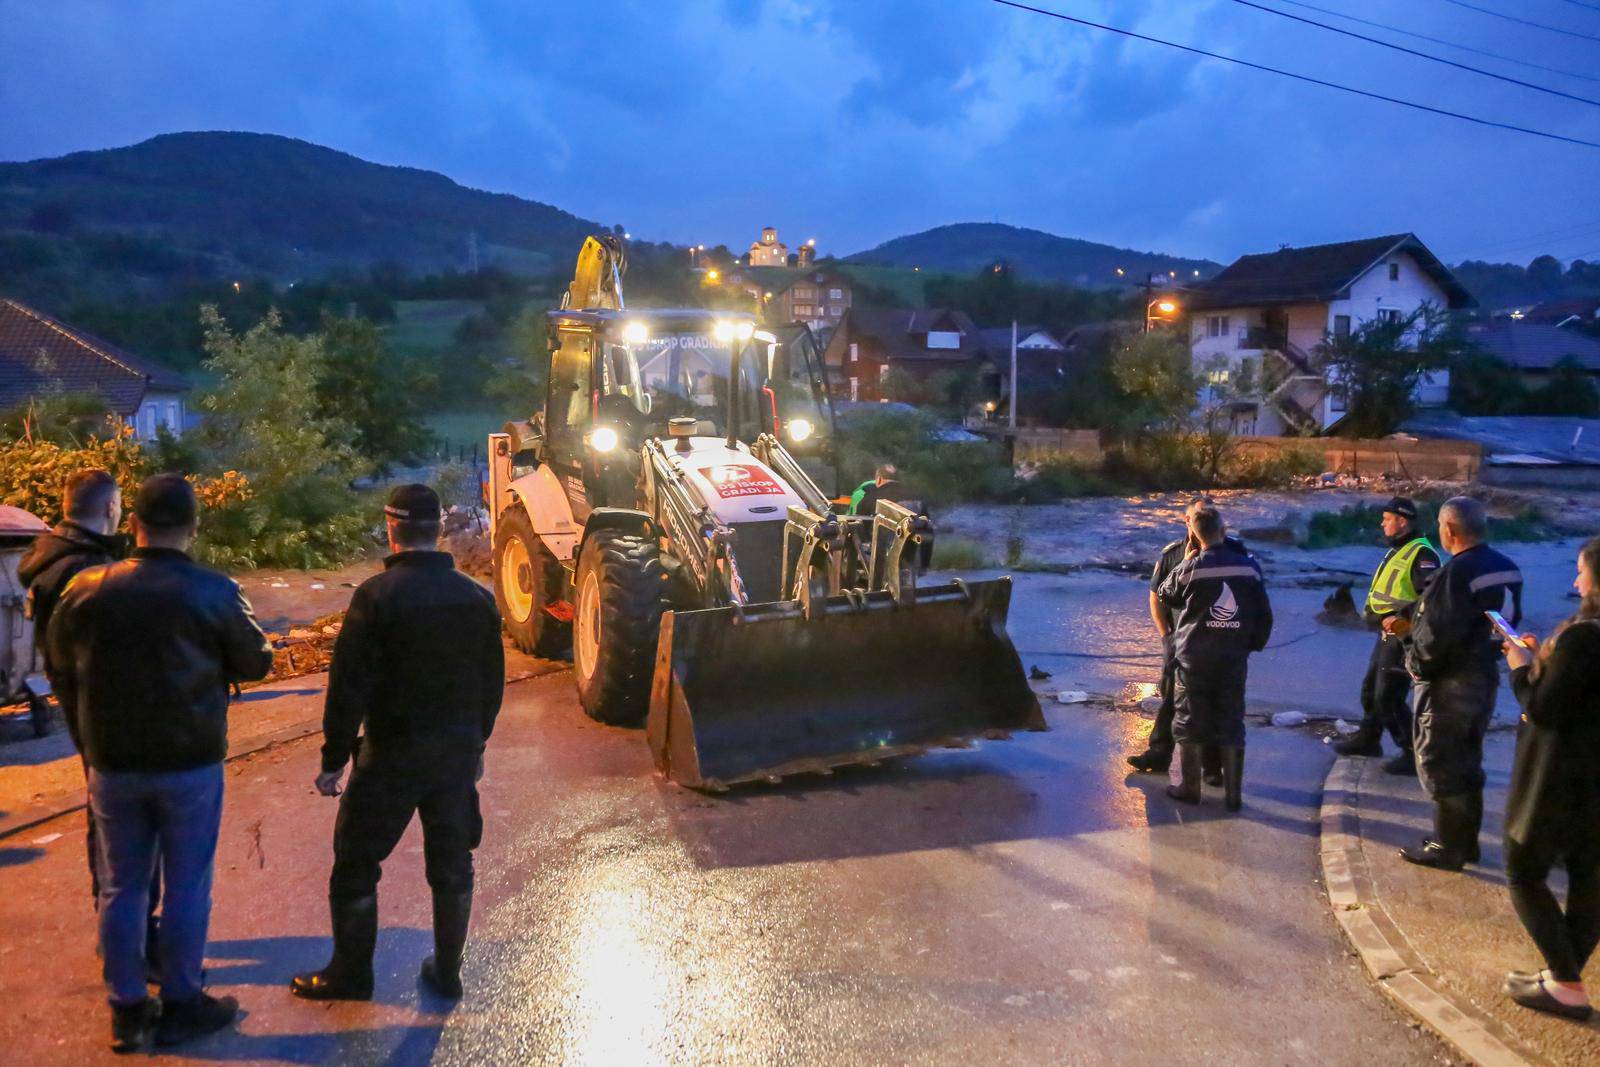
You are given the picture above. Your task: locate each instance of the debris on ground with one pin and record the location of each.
(1345, 729)
(1037, 675)
(1072, 696)
(304, 649)
(1340, 609)
(1290, 718)
(466, 537)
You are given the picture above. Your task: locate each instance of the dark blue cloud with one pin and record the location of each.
(854, 120)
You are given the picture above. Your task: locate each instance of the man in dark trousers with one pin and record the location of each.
(1157, 756)
(1222, 615)
(1405, 571)
(92, 506)
(146, 651)
(1455, 659)
(886, 485)
(419, 663)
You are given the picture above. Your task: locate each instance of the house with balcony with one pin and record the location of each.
(819, 298)
(1263, 319)
(923, 342)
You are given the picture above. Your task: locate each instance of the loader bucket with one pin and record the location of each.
(763, 692)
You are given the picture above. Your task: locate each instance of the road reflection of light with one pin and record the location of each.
(617, 979)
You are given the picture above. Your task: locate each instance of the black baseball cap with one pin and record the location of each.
(413, 503)
(1402, 506)
(165, 502)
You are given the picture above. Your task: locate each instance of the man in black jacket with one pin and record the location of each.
(886, 485)
(420, 663)
(1455, 659)
(1157, 756)
(92, 506)
(1223, 615)
(153, 644)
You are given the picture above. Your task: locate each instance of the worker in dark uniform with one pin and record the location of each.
(1407, 567)
(1454, 657)
(420, 665)
(1223, 615)
(1157, 756)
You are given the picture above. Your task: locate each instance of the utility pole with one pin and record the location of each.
(1012, 409)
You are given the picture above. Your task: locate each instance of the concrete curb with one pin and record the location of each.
(249, 745)
(1389, 958)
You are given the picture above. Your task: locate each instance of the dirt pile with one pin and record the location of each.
(466, 537)
(304, 649)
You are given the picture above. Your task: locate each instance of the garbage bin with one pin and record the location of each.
(21, 663)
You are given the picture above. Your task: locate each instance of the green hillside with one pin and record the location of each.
(188, 206)
(967, 247)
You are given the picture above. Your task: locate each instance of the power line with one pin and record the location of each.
(1301, 77)
(1441, 40)
(1525, 22)
(1419, 55)
(1580, 3)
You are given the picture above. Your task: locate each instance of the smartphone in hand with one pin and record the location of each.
(1498, 621)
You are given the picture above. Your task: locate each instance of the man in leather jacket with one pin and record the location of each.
(153, 643)
(420, 666)
(1454, 657)
(1223, 615)
(92, 504)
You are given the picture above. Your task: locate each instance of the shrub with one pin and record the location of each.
(952, 553)
(1358, 524)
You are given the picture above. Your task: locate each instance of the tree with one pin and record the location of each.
(379, 397)
(1155, 376)
(264, 418)
(1568, 391)
(1483, 384)
(1379, 364)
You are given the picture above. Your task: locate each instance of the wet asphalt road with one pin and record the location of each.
(1020, 902)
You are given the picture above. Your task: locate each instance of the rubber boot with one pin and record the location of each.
(1211, 765)
(1187, 791)
(1233, 777)
(1151, 761)
(1447, 850)
(1471, 826)
(1366, 741)
(442, 970)
(348, 975)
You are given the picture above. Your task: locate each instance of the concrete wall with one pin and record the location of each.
(1436, 459)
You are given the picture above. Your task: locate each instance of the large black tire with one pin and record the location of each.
(622, 592)
(528, 580)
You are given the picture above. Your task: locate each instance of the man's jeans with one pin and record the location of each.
(139, 816)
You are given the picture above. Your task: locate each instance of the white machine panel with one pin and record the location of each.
(734, 484)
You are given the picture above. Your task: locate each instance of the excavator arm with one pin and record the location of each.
(597, 279)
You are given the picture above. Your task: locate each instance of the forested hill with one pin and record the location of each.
(967, 247)
(188, 205)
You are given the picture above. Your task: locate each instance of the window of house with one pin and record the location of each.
(835, 294)
(804, 292)
(1341, 325)
(1388, 314)
(944, 339)
(1217, 325)
(1219, 376)
(1394, 272)
(802, 310)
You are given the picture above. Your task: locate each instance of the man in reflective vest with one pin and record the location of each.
(1386, 690)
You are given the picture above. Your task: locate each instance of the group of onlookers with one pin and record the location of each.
(142, 653)
(1431, 682)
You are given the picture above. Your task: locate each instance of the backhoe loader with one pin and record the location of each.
(653, 517)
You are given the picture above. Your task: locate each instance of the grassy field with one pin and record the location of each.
(423, 327)
(905, 283)
(464, 428)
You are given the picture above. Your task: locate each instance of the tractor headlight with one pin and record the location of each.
(635, 333)
(725, 331)
(603, 439)
(800, 429)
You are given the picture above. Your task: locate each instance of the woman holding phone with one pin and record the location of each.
(1553, 809)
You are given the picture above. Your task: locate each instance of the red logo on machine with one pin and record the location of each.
(736, 480)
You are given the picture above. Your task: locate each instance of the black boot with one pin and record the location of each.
(1366, 741)
(1151, 761)
(1211, 765)
(1471, 826)
(133, 1025)
(348, 976)
(1404, 764)
(1447, 849)
(1187, 790)
(1233, 777)
(442, 970)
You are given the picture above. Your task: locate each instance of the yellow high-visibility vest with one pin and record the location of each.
(1391, 587)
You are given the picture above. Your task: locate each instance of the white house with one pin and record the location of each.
(41, 357)
(1264, 316)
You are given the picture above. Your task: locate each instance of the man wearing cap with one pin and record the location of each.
(1401, 577)
(418, 664)
(146, 650)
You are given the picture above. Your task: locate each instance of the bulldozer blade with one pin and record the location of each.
(759, 692)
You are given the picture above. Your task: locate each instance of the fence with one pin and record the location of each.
(1452, 461)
